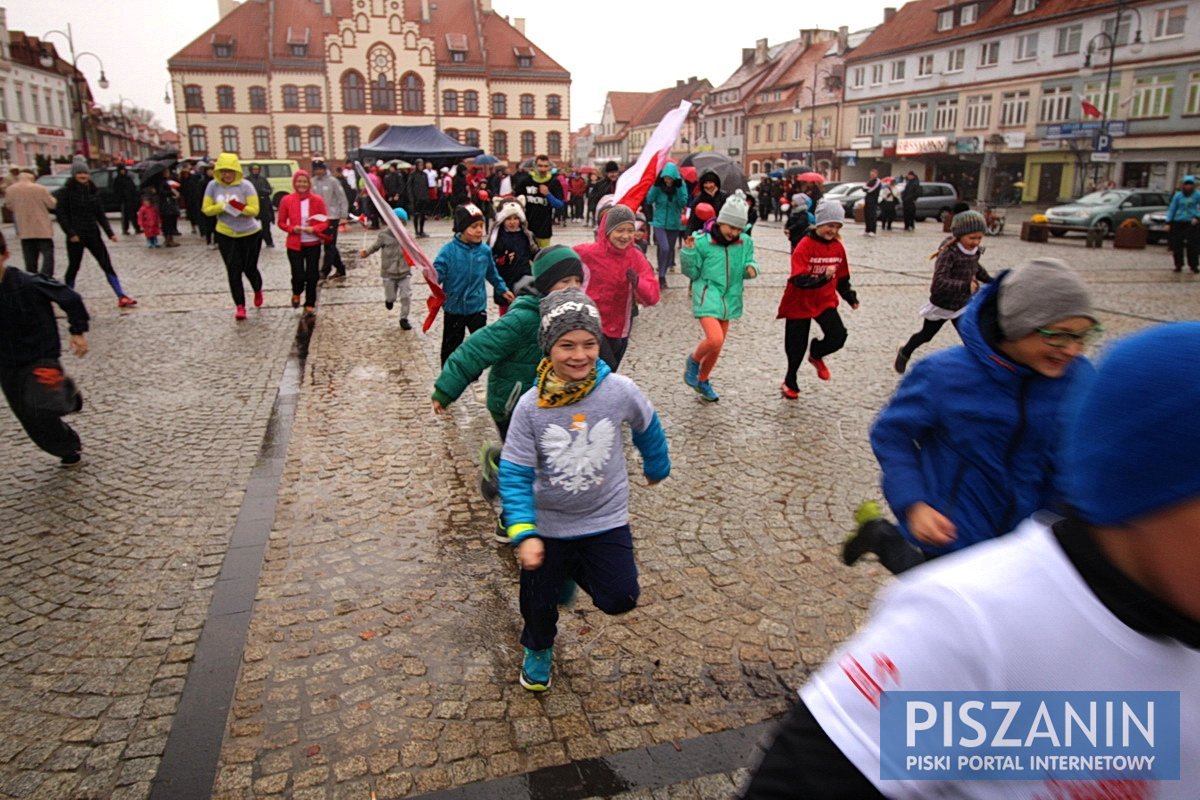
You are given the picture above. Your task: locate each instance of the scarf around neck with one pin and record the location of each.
(554, 392)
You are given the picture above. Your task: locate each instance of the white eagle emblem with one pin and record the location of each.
(576, 464)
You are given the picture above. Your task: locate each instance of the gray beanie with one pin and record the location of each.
(966, 222)
(735, 212)
(564, 311)
(830, 211)
(79, 164)
(615, 216)
(1040, 292)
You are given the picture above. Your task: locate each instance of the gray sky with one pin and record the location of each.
(632, 45)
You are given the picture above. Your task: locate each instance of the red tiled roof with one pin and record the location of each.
(794, 75)
(664, 100)
(625, 105)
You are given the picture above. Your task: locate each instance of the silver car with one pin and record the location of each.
(1107, 209)
(1157, 226)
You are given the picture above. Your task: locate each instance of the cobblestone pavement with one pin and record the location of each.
(382, 652)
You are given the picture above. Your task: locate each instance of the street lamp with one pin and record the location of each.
(47, 60)
(1110, 39)
(831, 79)
(187, 125)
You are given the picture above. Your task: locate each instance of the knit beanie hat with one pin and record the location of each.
(565, 311)
(318, 164)
(79, 164)
(830, 212)
(611, 166)
(966, 222)
(1132, 428)
(553, 264)
(735, 212)
(1038, 293)
(465, 216)
(617, 215)
(510, 208)
(400, 213)
(801, 199)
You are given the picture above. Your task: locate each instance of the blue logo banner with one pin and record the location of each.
(1029, 735)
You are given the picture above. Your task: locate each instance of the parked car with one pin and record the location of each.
(937, 200)
(103, 177)
(278, 172)
(1105, 210)
(1157, 227)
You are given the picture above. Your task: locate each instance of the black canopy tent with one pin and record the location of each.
(413, 141)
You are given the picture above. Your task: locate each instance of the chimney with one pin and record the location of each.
(760, 52)
(747, 54)
(425, 11)
(485, 6)
(678, 84)
(806, 36)
(843, 38)
(519, 24)
(224, 7)
(888, 13)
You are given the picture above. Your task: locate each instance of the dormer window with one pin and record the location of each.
(524, 57)
(456, 43)
(297, 42)
(945, 20)
(222, 45)
(967, 15)
(1023, 6)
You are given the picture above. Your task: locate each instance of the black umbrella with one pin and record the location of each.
(728, 170)
(150, 170)
(792, 172)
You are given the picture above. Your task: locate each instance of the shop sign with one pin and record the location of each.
(966, 144)
(734, 151)
(704, 148)
(794, 155)
(1083, 130)
(1050, 144)
(1016, 141)
(51, 132)
(846, 154)
(862, 142)
(1101, 156)
(889, 147)
(925, 144)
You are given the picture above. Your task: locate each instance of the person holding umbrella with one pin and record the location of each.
(127, 193)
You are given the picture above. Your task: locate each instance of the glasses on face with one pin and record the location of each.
(1068, 338)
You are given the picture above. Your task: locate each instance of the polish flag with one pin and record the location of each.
(635, 182)
(412, 253)
(1089, 110)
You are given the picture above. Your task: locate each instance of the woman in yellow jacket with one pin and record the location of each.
(234, 202)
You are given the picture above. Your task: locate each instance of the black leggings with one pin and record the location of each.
(94, 245)
(304, 263)
(928, 330)
(454, 329)
(795, 341)
(240, 254)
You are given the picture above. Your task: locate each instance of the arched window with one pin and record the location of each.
(414, 94)
(449, 102)
(193, 97)
(754, 168)
(316, 140)
(499, 143)
(452, 133)
(526, 105)
(499, 105)
(312, 98)
(352, 138)
(528, 144)
(354, 92)
(291, 98)
(383, 95)
(292, 134)
(229, 139)
(471, 137)
(225, 98)
(198, 140)
(258, 98)
(554, 143)
(262, 141)
(553, 106)
(471, 101)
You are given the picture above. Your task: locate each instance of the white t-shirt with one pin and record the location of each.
(1009, 614)
(305, 236)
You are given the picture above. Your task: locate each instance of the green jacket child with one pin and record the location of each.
(510, 345)
(717, 269)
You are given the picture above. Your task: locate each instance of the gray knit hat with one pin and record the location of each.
(615, 216)
(1040, 292)
(830, 212)
(966, 222)
(735, 212)
(79, 164)
(565, 311)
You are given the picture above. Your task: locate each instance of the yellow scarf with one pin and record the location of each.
(554, 392)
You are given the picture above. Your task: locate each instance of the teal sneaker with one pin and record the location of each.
(567, 594)
(535, 670)
(691, 375)
(707, 391)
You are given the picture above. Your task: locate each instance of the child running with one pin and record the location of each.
(564, 481)
(149, 221)
(820, 272)
(956, 277)
(395, 267)
(717, 262)
(513, 247)
(462, 265)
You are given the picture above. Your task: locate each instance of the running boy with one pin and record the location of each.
(462, 265)
(395, 267)
(820, 272)
(564, 482)
(717, 262)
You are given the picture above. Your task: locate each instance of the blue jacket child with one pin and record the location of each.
(463, 265)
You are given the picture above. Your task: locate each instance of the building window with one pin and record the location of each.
(798, 129)
(1168, 22)
(298, 50)
(1152, 96)
(528, 144)
(1094, 93)
(1119, 33)
(524, 62)
(1193, 94)
(471, 101)
(499, 105)
(782, 131)
(37, 104)
(876, 74)
(316, 140)
(857, 77)
(1023, 6)
(414, 94)
(968, 14)
(554, 143)
(229, 139)
(1055, 105)
(924, 66)
(20, 100)
(826, 126)
(292, 135)
(757, 134)
(258, 98)
(223, 50)
(383, 95)
(770, 132)
(291, 98)
(989, 54)
(1026, 47)
(866, 122)
(889, 120)
(499, 143)
(449, 102)
(945, 20)
(352, 138)
(1014, 109)
(918, 117)
(979, 112)
(527, 109)
(354, 92)
(198, 140)
(1067, 40)
(262, 141)
(898, 70)
(225, 98)
(956, 60)
(471, 137)
(312, 98)
(452, 133)
(553, 106)
(458, 56)
(193, 97)
(945, 115)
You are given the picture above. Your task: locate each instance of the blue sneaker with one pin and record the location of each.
(535, 670)
(691, 375)
(707, 391)
(567, 594)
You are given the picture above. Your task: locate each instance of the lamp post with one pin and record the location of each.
(187, 125)
(1111, 40)
(830, 77)
(47, 60)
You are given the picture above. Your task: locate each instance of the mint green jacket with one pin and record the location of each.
(718, 273)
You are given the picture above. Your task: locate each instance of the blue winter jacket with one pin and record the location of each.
(973, 434)
(1184, 207)
(462, 269)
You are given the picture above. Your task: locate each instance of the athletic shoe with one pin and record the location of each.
(662, 282)
(865, 537)
(240, 313)
(125, 301)
(535, 669)
(310, 310)
(901, 362)
(819, 366)
(405, 325)
(489, 469)
(691, 375)
(258, 299)
(789, 392)
(295, 301)
(568, 593)
(389, 305)
(501, 533)
(707, 391)
(72, 461)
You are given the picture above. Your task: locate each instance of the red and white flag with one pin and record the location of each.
(415, 256)
(1089, 110)
(635, 182)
